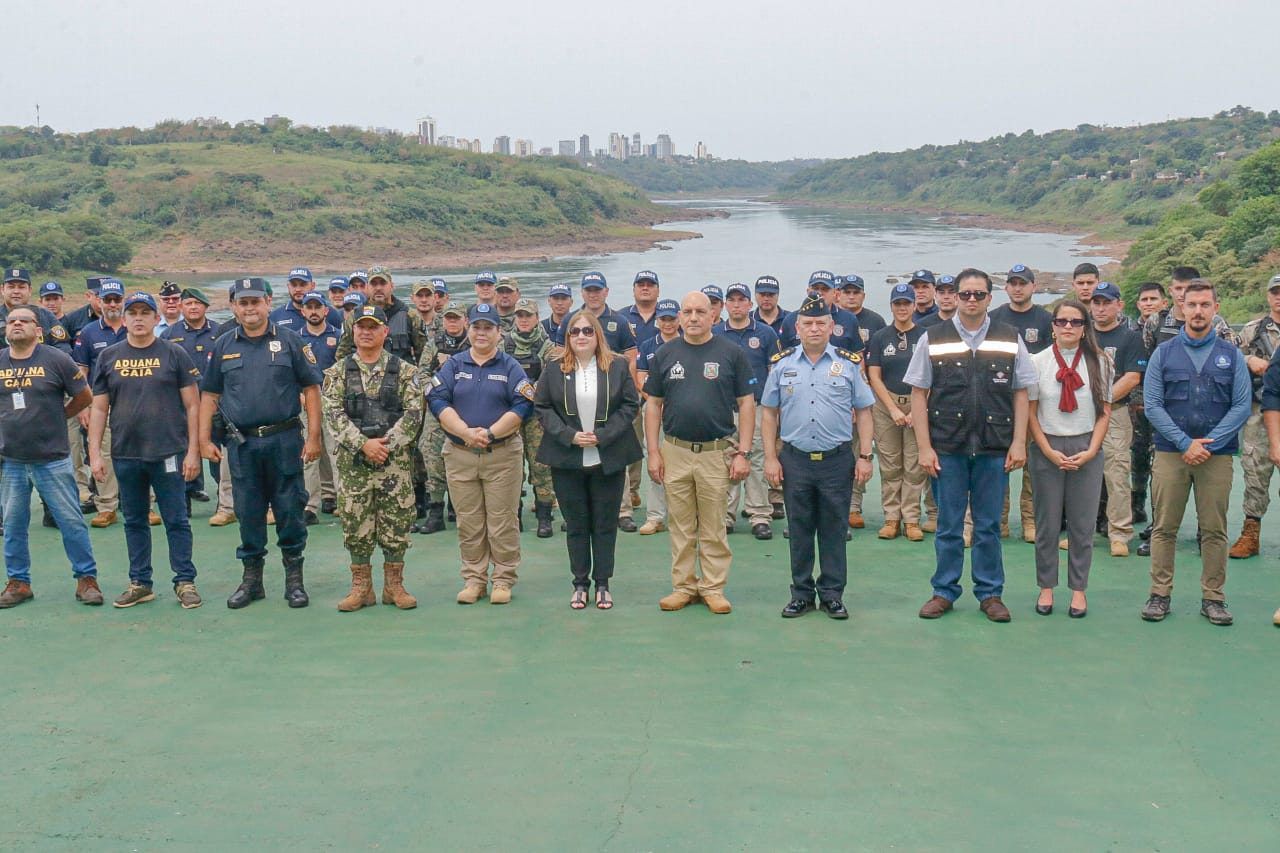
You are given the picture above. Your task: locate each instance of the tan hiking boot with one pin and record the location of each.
(222, 519)
(914, 532)
(856, 521)
(361, 594)
(1247, 545)
(153, 518)
(103, 519)
(471, 593)
(890, 530)
(677, 600)
(393, 591)
(930, 524)
(87, 592)
(652, 526)
(1119, 548)
(1028, 531)
(500, 595)
(15, 592)
(717, 603)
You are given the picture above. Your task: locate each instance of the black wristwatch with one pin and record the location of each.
(866, 456)
(492, 437)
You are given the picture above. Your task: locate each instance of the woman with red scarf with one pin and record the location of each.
(1070, 406)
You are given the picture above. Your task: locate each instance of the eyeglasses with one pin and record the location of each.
(582, 331)
(971, 295)
(1064, 322)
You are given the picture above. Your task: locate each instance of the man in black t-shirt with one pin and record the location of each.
(40, 388)
(148, 388)
(695, 385)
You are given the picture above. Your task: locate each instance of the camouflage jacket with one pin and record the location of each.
(402, 436)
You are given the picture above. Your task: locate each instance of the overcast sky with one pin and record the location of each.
(759, 80)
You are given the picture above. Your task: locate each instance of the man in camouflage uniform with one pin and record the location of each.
(450, 339)
(373, 403)
(1259, 340)
(508, 294)
(406, 335)
(527, 343)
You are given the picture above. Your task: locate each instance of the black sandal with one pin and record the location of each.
(604, 601)
(579, 600)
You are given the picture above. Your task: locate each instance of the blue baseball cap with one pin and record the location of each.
(853, 281)
(922, 275)
(486, 277)
(355, 298)
(314, 296)
(822, 278)
(713, 292)
(738, 288)
(560, 290)
(439, 285)
(946, 281)
(1021, 271)
(51, 288)
(482, 312)
(646, 275)
(111, 287)
(240, 287)
(338, 282)
(767, 284)
(594, 281)
(1106, 290)
(138, 297)
(667, 308)
(358, 274)
(93, 283)
(902, 292)
(300, 274)
(17, 274)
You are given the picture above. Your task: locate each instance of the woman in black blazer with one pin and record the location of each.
(588, 454)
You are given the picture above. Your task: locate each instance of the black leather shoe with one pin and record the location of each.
(1145, 533)
(762, 531)
(728, 530)
(310, 518)
(1140, 514)
(1077, 612)
(834, 608)
(778, 512)
(200, 497)
(88, 507)
(1144, 550)
(329, 506)
(627, 524)
(796, 607)
(1044, 609)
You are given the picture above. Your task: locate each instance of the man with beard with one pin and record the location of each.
(406, 336)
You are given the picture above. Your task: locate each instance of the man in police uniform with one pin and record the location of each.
(969, 409)
(194, 333)
(440, 288)
(768, 312)
(481, 397)
(93, 339)
(449, 340)
(486, 285)
(759, 344)
(853, 297)
(528, 344)
(716, 297)
(90, 310)
(17, 291)
(923, 281)
(52, 300)
(258, 379)
(373, 405)
(320, 337)
(560, 299)
(406, 335)
(811, 398)
(642, 318)
(170, 305)
(337, 290)
(289, 315)
(1259, 340)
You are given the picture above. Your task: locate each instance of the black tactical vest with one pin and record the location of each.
(971, 401)
(374, 415)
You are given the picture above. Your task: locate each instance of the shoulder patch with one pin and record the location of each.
(526, 390)
(59, 333)
(306, 351)
(855, 357)
(779, 356)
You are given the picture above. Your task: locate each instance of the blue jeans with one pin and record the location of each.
(976, 483)
(137, 477)
(56, 483)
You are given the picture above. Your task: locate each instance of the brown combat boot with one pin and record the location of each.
(856, 521)
(88, 592)
(393, 591)
(1247, 545)
(361, 594)
(890, 530)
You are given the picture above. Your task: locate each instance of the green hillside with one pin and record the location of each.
(227, 196)
(1111, 180)
(687, 175)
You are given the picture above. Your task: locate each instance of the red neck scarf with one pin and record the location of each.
(1069, 379)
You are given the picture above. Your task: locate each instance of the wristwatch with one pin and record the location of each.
(492, 437)
(867, 456)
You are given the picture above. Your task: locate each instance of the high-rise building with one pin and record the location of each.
(447, 142)
(427, 131)
(619, 147)
(566, 148)
(637, 150)
(651, 150)
(523, 148)
(502, 145)
(665, 149)
(545, 152)
(584, 146)
(700, 152)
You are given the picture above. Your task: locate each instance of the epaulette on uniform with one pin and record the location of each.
(855, 357)
(779, 356)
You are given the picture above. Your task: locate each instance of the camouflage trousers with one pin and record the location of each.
(430, 445)
(1143, 449)
(376, 506)
(539, 474)
(1255, 462)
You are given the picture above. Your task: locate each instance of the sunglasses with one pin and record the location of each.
(582, 331)
(972, 295)
(1064, 322)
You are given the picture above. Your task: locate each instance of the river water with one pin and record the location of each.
(759, 238)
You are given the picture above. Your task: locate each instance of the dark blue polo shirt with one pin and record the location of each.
(844, 333)
(617, 331)
(198, 343)
(641, 329)
(290, 317)
(76, 320)
(91, 341)
(758, 342)
(776, 325)
(648, 349)
(260, 379)
(324, 346)
(481, 394)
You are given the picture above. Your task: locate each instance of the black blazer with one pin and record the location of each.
(617, 402)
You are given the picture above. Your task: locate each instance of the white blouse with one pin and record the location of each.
(587, 393)
(1048, 393)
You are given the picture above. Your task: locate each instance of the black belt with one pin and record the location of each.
(272, 429)
(700, 446)
(495, 443)
(819, 455)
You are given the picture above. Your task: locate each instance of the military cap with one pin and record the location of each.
(195, 293)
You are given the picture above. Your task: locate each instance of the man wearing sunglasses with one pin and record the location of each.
(969, 402)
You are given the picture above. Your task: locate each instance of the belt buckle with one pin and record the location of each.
(695, 446)
(815, 457)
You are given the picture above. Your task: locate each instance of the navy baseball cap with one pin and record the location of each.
(922, 275)
(560, 290)
(93, 283)
(822, 278)
(355, 298)
(853, 281)
(17, 274)
(1021, 271)
(358, 274)
(1106, 290)
(594, 281)
(1274, 283)
(738, 288)
(300, 274)
(240, 287)
(767, 284)
(483, 312)
(338, 282)
(111, 287)
(439, 285)
(667, 308)
(51, 288)
(646, 275)
(946, 281)
(139, 298)
(902, 292)
(314, 296)
(713, 292)
(486, 277)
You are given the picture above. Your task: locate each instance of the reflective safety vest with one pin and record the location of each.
(971, 401)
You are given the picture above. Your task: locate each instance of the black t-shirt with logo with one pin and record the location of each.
(148, 421)
(33, 394)
(1035, 325)
(886, 351)
(1127, 352)
(869, 322)
(699, 386)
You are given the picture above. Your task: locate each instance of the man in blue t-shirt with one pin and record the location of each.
(320, 336)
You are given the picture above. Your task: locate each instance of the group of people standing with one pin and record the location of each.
(386, 412)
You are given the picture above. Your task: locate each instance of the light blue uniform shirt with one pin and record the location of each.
(920, 371)
(816, 400)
